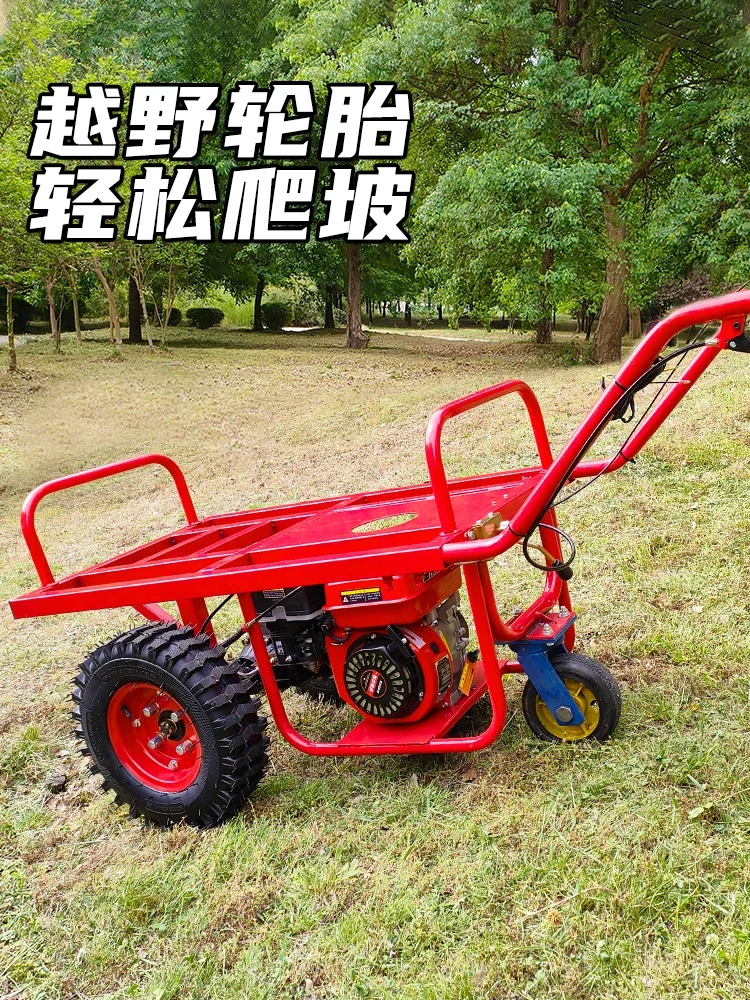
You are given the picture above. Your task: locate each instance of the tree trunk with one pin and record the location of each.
(74, 301)
(369, 311)
(407, 314)
(635, 324)
(76, 310)
(544, 326)
(113, 317)
(158, 305)
(440, 312)
(329, 322)
(355, 335)
(12, 360)
(544, 330)
(257, 314)
(49, 287)
(135, 329)
(613, 318)
(147, 321)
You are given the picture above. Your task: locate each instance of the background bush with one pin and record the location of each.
(23, 313)
(276, 315)
(203, 317)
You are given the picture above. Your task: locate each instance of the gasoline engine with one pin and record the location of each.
(390, 673)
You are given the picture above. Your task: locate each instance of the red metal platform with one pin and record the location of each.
(284, 546)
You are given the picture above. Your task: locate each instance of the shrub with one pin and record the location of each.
(175, 315)
(67, 318)
(307, 307)
(23, 313)
(276, 315)
(204, 318)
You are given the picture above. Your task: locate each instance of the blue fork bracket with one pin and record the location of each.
(533, 656)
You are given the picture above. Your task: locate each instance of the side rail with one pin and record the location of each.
(31, 503)
(729, 310)
(438, 420)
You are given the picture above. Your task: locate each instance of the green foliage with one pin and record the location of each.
(485, 233)
(204, 317)
(276, 315)
(545, 146)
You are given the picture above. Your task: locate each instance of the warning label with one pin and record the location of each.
(362, 596)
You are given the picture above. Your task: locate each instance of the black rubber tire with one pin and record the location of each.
(231, 731)
(596, 677)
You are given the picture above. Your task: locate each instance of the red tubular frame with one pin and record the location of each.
(351, 745)
(438, 420)
(31, 503)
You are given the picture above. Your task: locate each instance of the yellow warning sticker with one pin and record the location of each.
(467, 676)
(361, 596)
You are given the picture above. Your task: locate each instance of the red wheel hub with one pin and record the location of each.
(154, 737)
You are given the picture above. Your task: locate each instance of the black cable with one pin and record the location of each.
(660, 362)
(678, 353)
(658, 365)
(241, 631)
(558, 564)
(218, 607)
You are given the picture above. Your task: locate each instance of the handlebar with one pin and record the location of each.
(31, 503)
(730, 310)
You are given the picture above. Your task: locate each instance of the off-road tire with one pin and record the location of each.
(232, 739)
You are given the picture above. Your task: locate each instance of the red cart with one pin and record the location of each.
(352, 599)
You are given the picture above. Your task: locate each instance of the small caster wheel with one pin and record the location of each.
(170, 725)
(594, 690)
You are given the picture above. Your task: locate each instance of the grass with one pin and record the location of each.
(526, 871)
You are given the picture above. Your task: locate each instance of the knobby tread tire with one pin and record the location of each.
(218, 699)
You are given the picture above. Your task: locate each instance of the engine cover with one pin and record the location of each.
(382, 675)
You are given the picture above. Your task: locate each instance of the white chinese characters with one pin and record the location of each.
(255, 201)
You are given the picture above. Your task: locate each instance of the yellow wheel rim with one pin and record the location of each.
(585, 699)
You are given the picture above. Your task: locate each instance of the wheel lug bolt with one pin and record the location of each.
(151, 709)
(136, 722)
(173, 765)
(155, 741)
(185, 747)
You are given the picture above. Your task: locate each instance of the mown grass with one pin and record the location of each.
(617, 871)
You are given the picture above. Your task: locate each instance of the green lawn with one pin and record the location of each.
(528, 870)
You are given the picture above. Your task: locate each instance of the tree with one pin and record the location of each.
(503, 232)
(114, 319)
(135, 327)
(28, 60)
(355, 336)
(612, 86)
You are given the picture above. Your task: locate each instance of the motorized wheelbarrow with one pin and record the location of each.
(353, 600)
